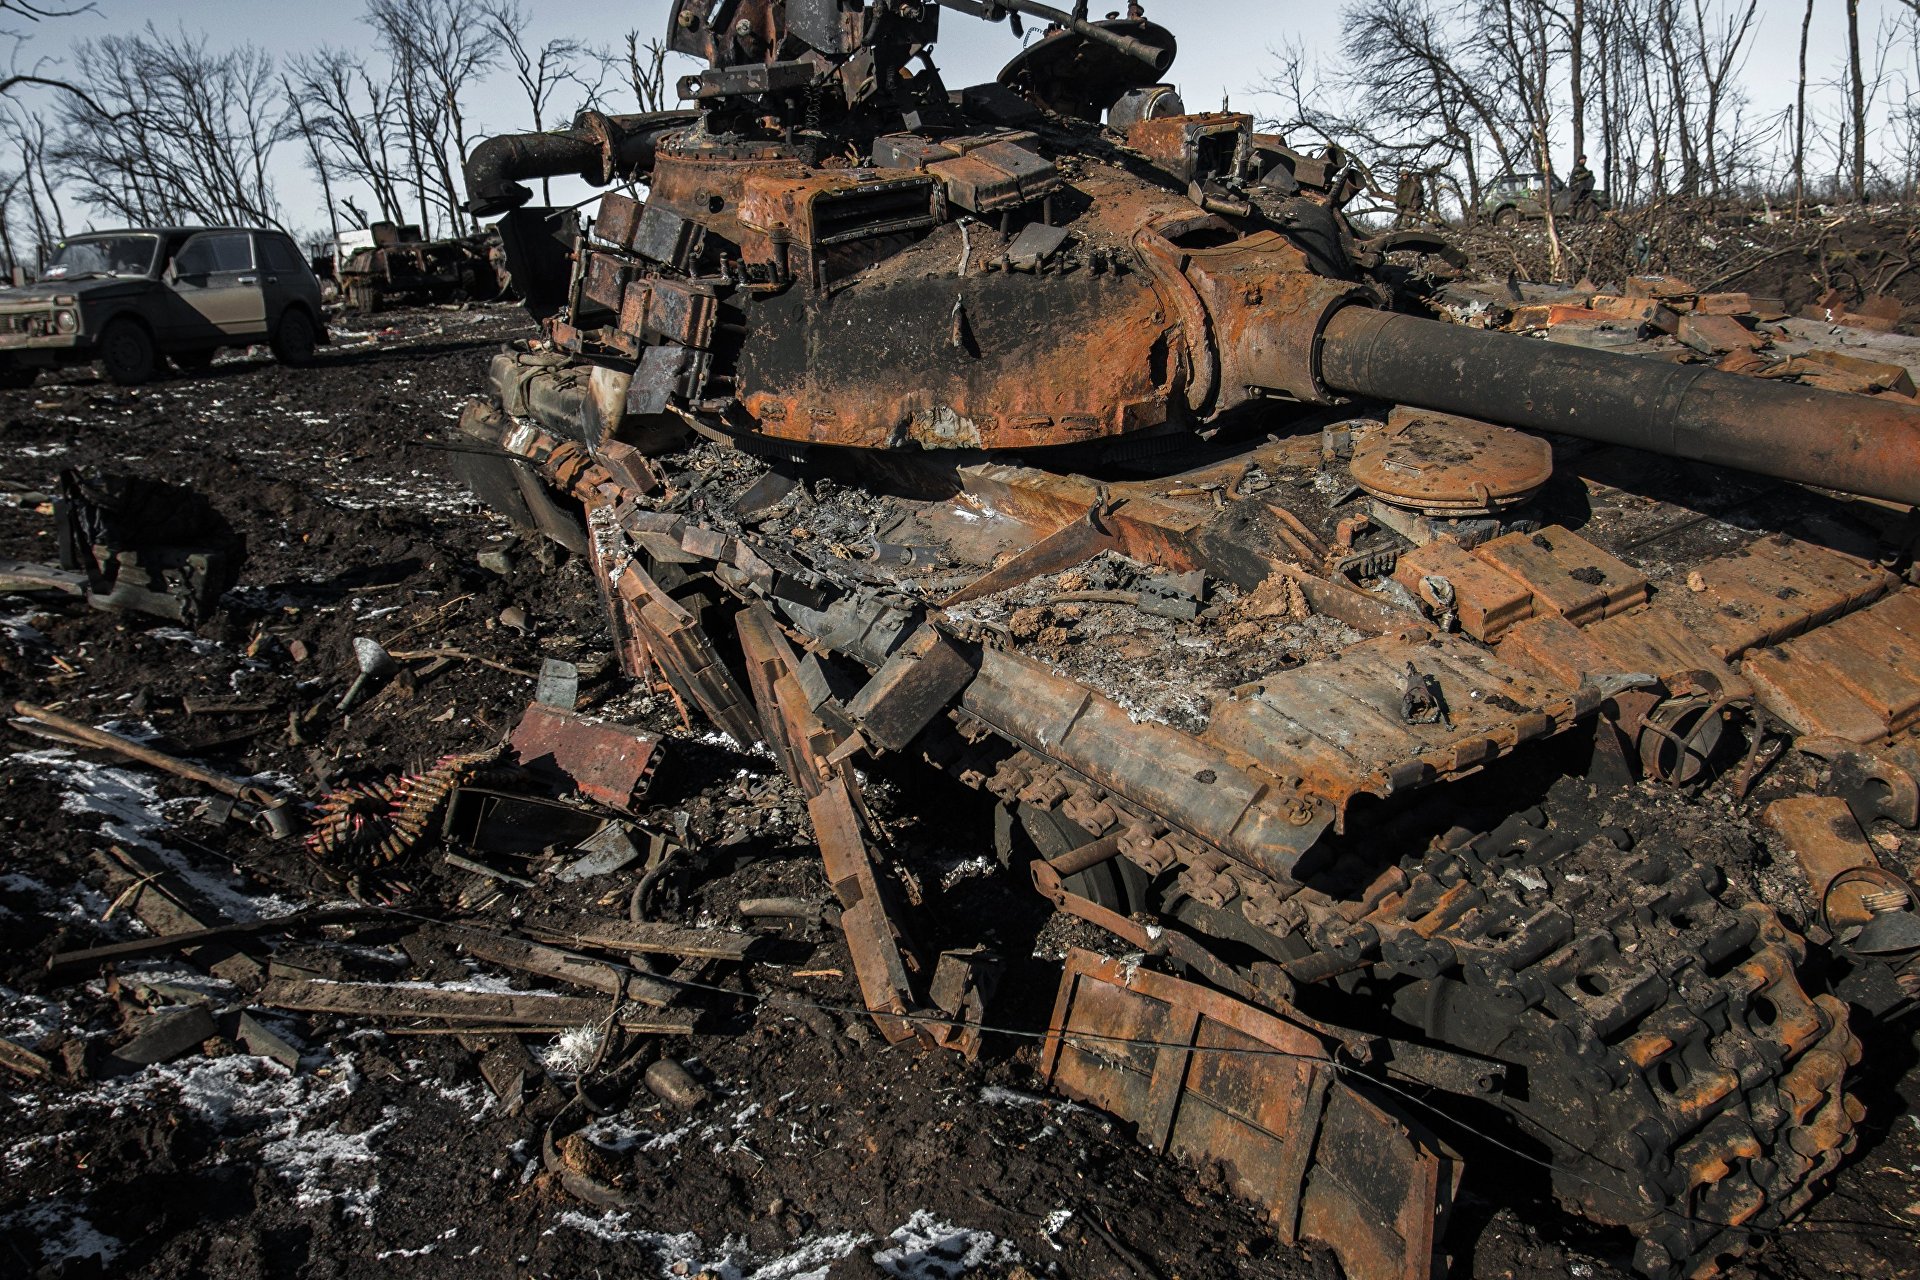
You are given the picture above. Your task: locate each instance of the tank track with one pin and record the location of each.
(1660, 1046)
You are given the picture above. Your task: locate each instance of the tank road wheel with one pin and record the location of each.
(16, 377)
(127, 354)
(1115, 884)
(295, 339)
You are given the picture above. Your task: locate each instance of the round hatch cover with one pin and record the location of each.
(1069, 74)
(1440, 465)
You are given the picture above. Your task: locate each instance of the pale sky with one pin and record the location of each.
(1224, 49)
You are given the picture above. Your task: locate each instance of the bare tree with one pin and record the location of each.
(170, 131)
(1479, 84)
(1719, 44)
(1520, 35)
(36, 11)
(1858, 102)
(9, 191)
(647, 72)
(1574, 18)
(36, 196)
(304, 130)
(1800, 119)
(1410, 93)
(437, 53)
(1610, 25)
(346, 113)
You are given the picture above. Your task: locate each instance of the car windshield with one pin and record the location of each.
(104, 256)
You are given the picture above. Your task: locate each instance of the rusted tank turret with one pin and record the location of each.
(1158, 275)
(1062, 310)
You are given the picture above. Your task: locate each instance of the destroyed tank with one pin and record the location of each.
(1474, 733)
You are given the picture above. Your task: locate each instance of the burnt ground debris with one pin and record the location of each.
(821, 1150)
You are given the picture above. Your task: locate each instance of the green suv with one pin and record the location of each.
(1513, 197)
(128, 298)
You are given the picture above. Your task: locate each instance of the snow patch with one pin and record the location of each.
(922, 1248)
(27, 1019)
(1000, 1096)
(681, 1254)
(62, 1233)
(19, 631)
(244, 1097)
(926, 1248)
(134, 814)
(318, 1161)
(179, 635)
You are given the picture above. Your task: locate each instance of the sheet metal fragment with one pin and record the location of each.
(1214, 1080)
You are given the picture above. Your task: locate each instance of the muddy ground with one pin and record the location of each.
(819, 1151)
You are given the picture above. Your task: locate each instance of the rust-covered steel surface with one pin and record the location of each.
(1209, 1078)
(882, 959)
(1439, 464)
(608, 763)
(1011, 432)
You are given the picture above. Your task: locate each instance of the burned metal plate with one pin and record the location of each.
(1215, 1080)
(1442, 465)
(608, 763)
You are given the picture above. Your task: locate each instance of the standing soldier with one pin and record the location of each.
(1580, 189)
(1410, 199)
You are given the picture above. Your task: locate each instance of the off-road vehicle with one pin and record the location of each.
(1513, 197)
(128, 298)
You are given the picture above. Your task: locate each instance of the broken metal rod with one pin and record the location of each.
(458, 655)
(23, 1061)
(482, 869)
(1091, 854)
(238, 788)
(780, 909)
(603, 976)
(528, 1010)
(645, 938)
(141, 948)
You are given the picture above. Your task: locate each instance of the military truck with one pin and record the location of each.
(399, 265)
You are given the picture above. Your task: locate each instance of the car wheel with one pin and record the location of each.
(294, 340)
(17, 377)
(193, 361)
(127, 353)
(1506, 217)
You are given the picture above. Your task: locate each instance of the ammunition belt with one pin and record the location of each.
(373, 824)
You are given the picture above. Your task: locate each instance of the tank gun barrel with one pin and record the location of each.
(1850, 443)
(993, 10)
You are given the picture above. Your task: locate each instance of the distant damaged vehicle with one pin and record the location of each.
(127, 299)
(399, 266)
